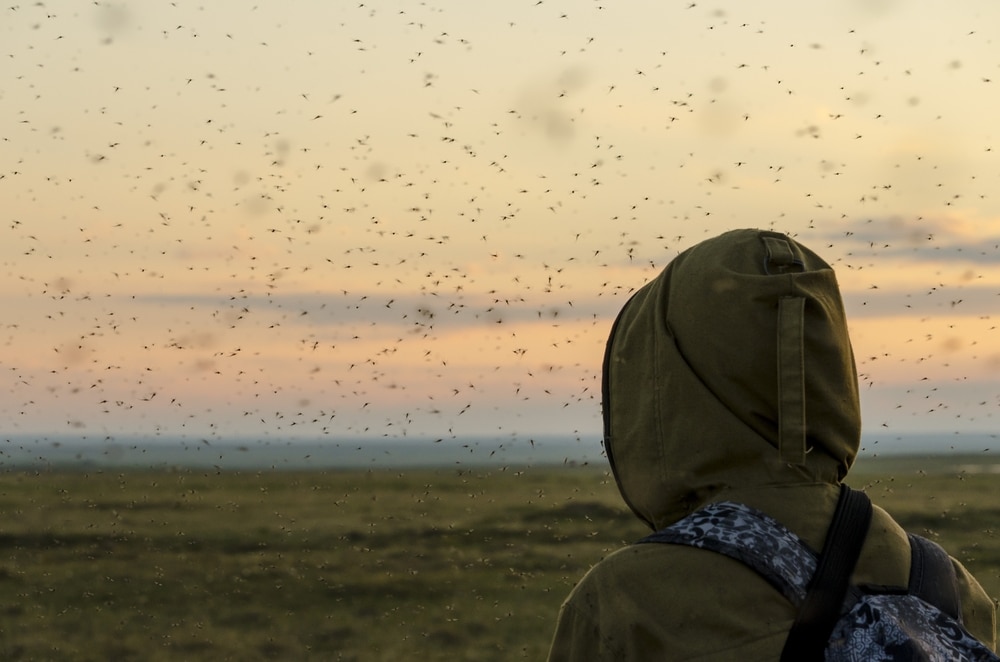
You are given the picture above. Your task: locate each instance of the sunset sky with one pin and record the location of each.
(386, 219)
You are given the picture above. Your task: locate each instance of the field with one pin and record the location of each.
(456, 564)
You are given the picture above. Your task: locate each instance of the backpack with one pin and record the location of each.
(837, 622)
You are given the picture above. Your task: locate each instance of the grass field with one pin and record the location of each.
(447, 564)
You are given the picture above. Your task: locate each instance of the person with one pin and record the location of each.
(729, 377)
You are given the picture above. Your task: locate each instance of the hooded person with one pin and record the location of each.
(729, 377)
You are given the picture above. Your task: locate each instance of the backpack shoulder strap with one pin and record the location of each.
(811, 631)
(750, 537)
(932, 576)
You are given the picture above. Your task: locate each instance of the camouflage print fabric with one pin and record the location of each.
(891, 628)
(751, 537)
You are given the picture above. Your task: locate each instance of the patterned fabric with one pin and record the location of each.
(890, 628)
(880, 627)
(749, 536)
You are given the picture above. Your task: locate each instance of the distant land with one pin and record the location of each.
(20, 452)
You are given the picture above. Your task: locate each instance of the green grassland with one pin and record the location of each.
(456, 564)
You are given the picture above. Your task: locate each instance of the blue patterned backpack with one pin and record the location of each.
(838, 622)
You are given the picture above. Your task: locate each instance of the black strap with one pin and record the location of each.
(932, 576)
(811, 631)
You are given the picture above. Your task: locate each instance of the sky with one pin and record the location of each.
(399, 219)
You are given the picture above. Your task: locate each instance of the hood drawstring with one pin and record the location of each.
(781, 259)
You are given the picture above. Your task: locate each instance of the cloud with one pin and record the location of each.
(409, 309)
(943, 300)
(937, 239)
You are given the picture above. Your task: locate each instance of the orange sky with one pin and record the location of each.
(310, 219)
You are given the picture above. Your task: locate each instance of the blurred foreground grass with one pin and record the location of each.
(456, 564)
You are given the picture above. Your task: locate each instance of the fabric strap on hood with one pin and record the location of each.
(791, 360)
(791, 381)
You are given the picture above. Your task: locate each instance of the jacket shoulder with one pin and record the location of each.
(661, 601)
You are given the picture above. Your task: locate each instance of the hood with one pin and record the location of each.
(732, 369)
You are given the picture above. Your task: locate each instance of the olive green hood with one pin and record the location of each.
(731, 370)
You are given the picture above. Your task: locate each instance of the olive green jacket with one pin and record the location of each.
(728, 377)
